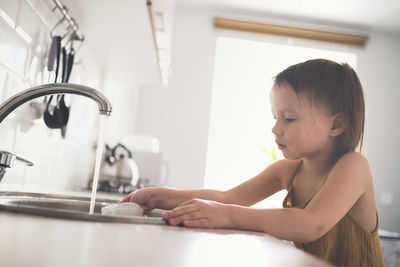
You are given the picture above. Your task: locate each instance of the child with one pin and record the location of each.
(330, 209)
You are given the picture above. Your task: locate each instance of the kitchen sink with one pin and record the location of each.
(69, 207)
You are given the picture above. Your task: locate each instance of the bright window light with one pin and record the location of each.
(240, 142)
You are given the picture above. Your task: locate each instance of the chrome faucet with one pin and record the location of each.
(54, 88)
(6, 161)
(7, 158)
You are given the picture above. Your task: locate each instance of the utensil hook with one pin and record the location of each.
(71, 32)
(55, 26)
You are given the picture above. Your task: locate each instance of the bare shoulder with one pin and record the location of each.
(353, 170)
(353, 162)
(354, 156)
(285, 169)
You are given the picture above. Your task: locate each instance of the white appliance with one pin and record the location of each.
(153, 169)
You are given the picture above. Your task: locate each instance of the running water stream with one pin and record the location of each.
(99, 153)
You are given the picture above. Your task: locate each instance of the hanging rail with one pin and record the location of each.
(77, 34)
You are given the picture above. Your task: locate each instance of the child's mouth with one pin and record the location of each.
(280, 146)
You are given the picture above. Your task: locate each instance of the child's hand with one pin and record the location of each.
(198, 213)
(143, 197)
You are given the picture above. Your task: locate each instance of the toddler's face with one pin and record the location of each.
(301, 130)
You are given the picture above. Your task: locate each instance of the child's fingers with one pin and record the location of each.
(132, 197)
(148, 206)
(185, 217)
(179, 211)
(127, 198)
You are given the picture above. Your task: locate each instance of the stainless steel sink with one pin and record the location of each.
(68, 207)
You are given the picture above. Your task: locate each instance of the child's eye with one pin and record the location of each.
(289, 119)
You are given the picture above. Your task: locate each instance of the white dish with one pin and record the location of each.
(123, 209)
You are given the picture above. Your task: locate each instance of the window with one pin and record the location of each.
(240, 142)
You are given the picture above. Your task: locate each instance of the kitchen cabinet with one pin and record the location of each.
(162, 13)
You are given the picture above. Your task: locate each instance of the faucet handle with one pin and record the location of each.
(7, 159)
(27, 162)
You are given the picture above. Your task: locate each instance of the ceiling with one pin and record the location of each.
(381, 15)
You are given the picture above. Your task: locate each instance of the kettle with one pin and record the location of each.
(120, 169)
(127, 172)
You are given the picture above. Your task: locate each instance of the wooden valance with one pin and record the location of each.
(333, 37)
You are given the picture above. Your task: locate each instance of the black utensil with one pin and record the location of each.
(58, 117)
(63, 108)
(58, 51)
(71, 57)
(53, 52)
(51, 117)
(64, 111)
(55, 43)
(64, 64)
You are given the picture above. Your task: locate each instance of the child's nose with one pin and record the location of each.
(276, 130)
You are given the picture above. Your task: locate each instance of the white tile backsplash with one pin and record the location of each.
(13, 49)
(58, 163)
(38, 144)
(8, 129)
(29, 21)
(83, 124)
(10, 7)
(15, 84)
(62, 164)
(14, 176)
(38, 174)
(3, 77)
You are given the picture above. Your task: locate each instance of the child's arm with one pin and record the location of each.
(168, 198)
(349, 179)
(263, 185)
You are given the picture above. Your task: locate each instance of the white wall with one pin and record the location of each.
(179, 114)
(59, 163)
(379, 67)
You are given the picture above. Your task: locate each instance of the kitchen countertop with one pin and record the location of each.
(28, 240)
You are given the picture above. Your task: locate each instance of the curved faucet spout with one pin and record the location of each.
(54, 88)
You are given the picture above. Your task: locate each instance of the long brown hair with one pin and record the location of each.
(338, 89)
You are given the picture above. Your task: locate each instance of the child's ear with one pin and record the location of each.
(337, 125)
